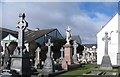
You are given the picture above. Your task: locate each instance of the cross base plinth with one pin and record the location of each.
(106, 63)
(49, 65)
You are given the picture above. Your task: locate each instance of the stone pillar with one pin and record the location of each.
(49, 63)
(106, 62)
(67, 60)
(75, 58)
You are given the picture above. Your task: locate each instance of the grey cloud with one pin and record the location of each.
(55, 15)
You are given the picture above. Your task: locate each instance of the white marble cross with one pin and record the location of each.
(106, 39)
(75, 45)
(22, 25)
(49, 44)
(62, 50)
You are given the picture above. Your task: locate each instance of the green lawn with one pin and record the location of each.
(79, 72)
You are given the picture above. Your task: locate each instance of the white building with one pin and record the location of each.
(113, 29)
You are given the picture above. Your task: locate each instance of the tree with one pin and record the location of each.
(58, 43)
(11, 47)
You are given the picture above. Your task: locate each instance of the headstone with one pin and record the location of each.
(62, 54)
(49, 63)
(84, 59)
(20, 60)
(106, 62)
(67, 60)
(37, 57)
(75, 58)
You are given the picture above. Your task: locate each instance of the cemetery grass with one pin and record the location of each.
(83, 69)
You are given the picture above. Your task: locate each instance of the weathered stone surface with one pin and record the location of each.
(49, 63)
(75, 58)
(67, 60)
(106, 63)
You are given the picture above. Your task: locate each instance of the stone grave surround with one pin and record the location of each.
(106, 62)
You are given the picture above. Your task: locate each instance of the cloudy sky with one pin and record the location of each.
(85, 18)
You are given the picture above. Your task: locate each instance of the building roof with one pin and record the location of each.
(107, 22)
(90, 45)
(30, 35)
(35, 34)
(77, 38)
(4, 32)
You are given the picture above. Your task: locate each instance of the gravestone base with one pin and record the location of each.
(16, 64)
(118, 58)
(48, 65)
(75, 59)
(21, 64)
(106, 63)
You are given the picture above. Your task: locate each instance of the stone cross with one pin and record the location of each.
(49, 44)
(68, 35)
(75, 45)
(106, 39)
(22, 25)
(84, 52)
(37, 58)
(62, 50)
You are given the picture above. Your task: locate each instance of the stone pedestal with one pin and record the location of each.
(67, 60)
(21, 64)
(106, 63)
(118, 58)
(48, 65)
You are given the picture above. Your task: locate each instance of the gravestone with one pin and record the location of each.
(67, 60)
(62, 54)
(106, 62)
(20, 60)
(84, 59)
(49, 63)
(37, 58)
(75, 58)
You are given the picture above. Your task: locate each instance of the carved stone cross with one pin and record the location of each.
(49, 44)
(106, 40)
(75, 45)
(22, 25)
